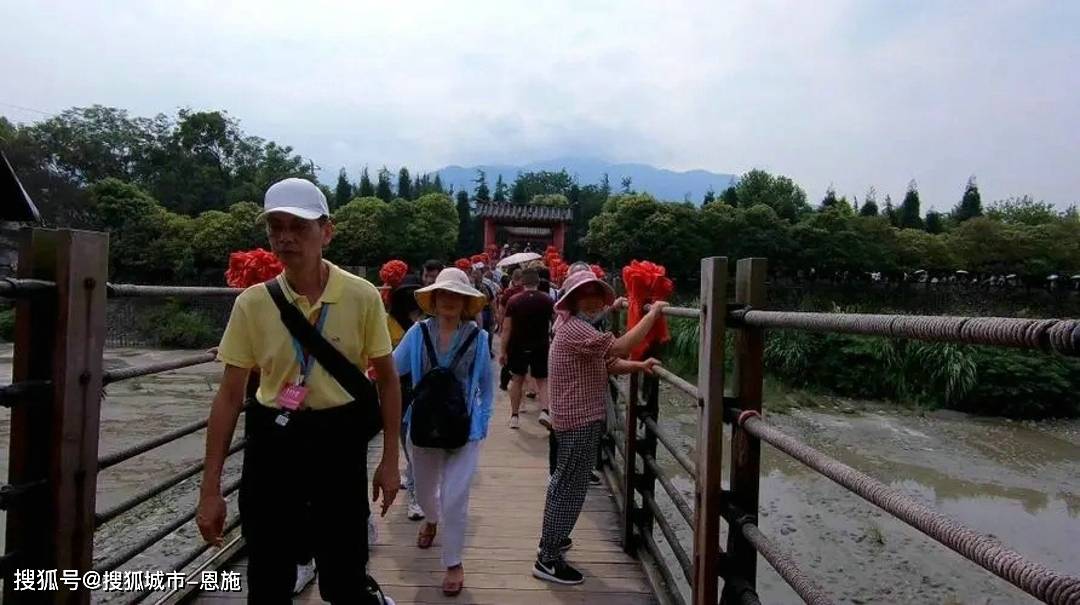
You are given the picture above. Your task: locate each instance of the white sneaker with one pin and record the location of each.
(415, 512)
(388, 600)
(372, 532)
(545, 419)
(515, 422)
(305, 574)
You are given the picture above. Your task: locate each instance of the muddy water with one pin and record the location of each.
(134, 411)
(1019, 482)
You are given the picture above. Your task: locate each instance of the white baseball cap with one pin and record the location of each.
(298, 197)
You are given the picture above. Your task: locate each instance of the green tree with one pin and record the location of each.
(730, 196)
(935, 223)
(364, 233)
(627, 188)
(910, 216)
(432, 231)
(366, 189)
(1023, 211)
(344, 190)
(777, 192)
(417, 187)
(970, 205)
(550, 199)
(638, 226)
(216, 234)
(890, 212)
(501, 190)
(710, 197)
(383, 189)
(466, 230)
(404, 184)
(869, 207)
(483, 193)
(437, 184)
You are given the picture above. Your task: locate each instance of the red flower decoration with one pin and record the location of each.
(646, 282)
(252, 267)
(393, 271)
(598, 271)
(463, 264)
(558, 271)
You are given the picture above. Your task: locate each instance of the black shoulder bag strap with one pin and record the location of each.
(464, 348)
(346, 373)
(433, 357)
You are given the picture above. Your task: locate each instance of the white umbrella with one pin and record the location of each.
(517, 259)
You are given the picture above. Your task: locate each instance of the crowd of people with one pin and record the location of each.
(428, 344)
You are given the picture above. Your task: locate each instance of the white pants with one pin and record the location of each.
(442, 479)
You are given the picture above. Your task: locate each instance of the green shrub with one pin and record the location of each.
(177, 327)
(1023, 384)
(7, 325)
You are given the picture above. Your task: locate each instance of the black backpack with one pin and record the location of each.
(440, 407)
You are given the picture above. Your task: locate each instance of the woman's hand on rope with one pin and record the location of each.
(648, 365)
(657, 307)
(211, 519)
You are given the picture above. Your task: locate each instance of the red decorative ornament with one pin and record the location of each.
(463, 264)
(391, 274)
(646, 282)
(598, 271)
(252, 267)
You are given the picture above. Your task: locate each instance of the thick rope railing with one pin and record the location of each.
(130, 452)
(649, 542)
(195, 553)
(781, 561)
(15, 288)
(109, 514)
(676, 498)
(132, 551)
(112, 376)
(26, 391)
(678, 382)
(1051, 335)
(673, 448)
(1041, 582)
(138, 291)
(669, 534)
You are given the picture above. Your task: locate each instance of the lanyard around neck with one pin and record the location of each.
(304, 357)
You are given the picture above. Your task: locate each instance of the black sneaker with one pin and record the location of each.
(566, 545)
(557, 571)
(594, 478)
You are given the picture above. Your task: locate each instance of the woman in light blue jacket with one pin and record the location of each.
(442, 477)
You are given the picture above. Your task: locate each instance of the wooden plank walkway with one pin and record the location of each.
(506, 509)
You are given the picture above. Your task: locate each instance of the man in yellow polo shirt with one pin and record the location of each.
(304, 480)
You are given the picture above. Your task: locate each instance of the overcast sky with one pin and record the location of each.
(853, 93)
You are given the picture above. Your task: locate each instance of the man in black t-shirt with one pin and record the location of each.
(525, 338)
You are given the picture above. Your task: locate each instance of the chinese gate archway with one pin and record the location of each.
(540, 226)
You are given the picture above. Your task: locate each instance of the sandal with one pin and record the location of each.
(452, 588)
(427, 535)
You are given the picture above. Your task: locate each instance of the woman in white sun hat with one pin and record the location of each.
(447, 358)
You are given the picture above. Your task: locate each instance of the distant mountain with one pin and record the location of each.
(664, 184)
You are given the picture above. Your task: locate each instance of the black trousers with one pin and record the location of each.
(304, 490)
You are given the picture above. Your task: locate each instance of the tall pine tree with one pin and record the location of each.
(500, 190)
(437, 184)
(829, 200)
(910, 215)
(366, 189)
(483, 193)
(710, 197)
(934, 222)
(383, 189)
(404, 185)
(890, 212)
(970, 205)
(869, 207)
(344, 190)
(466, 234)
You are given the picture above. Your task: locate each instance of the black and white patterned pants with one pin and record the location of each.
(568, 485)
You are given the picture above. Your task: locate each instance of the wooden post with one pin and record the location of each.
(750, 277)
(647, 447)
(58, 338)
(630, 459)
(707, 491)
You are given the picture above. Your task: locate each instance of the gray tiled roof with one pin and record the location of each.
(529, 213)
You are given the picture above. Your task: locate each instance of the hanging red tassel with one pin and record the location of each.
(247, 268)
(646, 282)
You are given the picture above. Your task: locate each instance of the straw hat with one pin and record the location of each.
(577, 280)
(453, 280)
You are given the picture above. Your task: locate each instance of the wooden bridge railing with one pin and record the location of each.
(58, 377)
(635, 431)
(55, 399)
